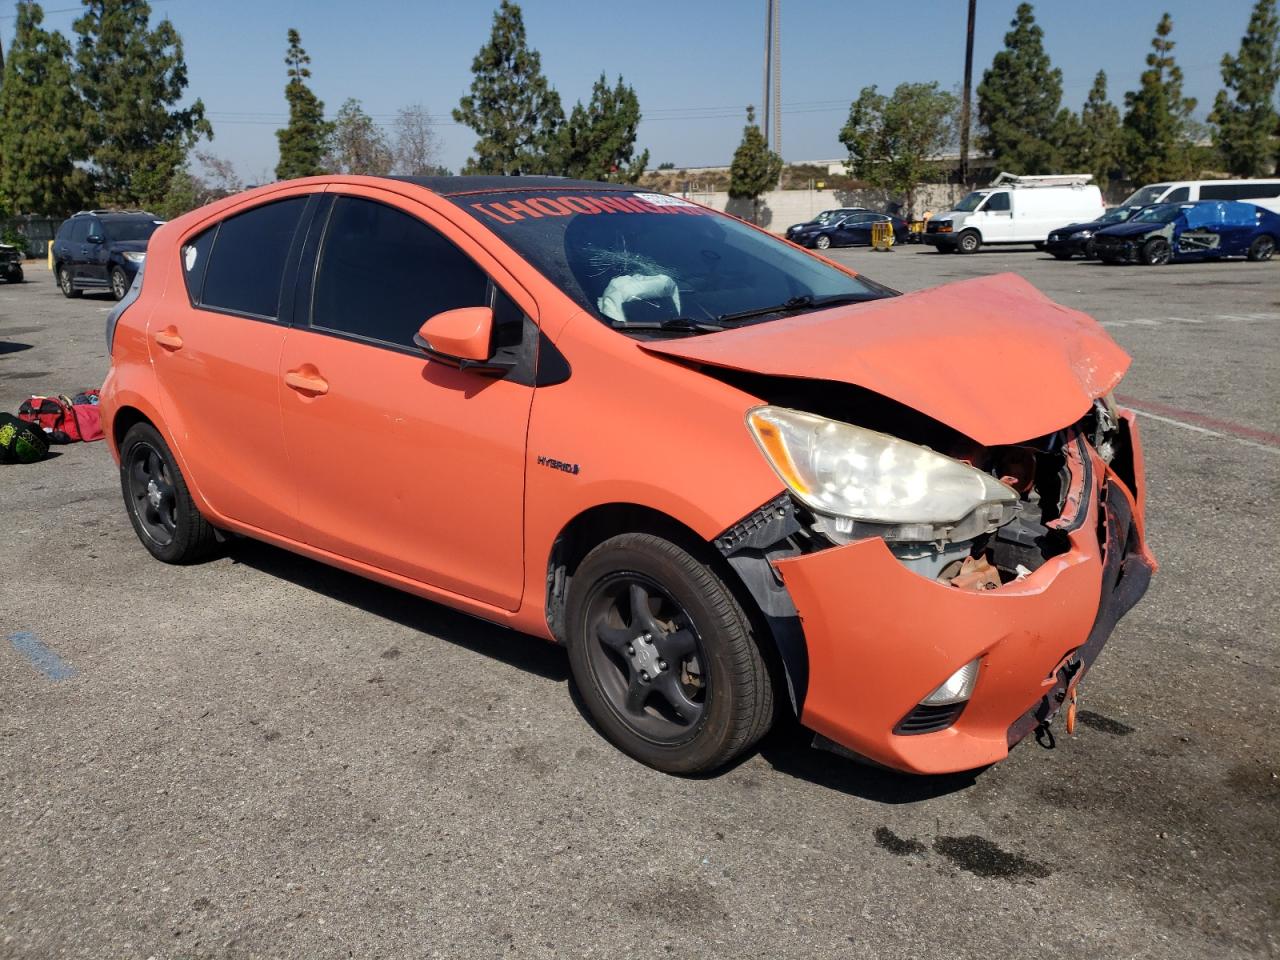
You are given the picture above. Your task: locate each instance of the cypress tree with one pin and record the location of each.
(1157, 116)
(303, 141)
(131, 78)
(755, 168)
(1100, 135)
(1244, 114)
(598, 141)
(512, 108)
(1019, 99)
(41, 136)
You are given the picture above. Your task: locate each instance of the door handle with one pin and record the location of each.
(169, 339)
(305, 380)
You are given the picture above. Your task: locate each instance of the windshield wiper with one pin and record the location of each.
(803, 302)
(676, 324)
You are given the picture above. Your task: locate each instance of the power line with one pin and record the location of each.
(14, 16)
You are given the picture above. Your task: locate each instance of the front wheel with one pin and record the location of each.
(160, 507)
(664, 657)
(969, 242)
(1156, 252)
(1262, 249)
(1061, 255)
(119, 283)
(823, 242)
(15, 275)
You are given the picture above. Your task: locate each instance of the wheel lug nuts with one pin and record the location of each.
(644, 676)
(630, 648)
(662, 664)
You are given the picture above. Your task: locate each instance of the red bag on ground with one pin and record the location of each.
(52, 415)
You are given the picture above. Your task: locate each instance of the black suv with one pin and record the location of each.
(102, 250)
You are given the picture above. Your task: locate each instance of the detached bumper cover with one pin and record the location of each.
(880, 637)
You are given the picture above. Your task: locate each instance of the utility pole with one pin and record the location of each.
(777, 75)
(968, 95)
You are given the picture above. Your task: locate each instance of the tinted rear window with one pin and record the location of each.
(125, 230)
(247, 264)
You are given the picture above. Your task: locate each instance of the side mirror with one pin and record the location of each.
(462, 338)
(93, 238)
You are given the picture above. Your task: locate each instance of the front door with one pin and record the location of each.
(406, 464)
(216, 353)
(997, 219)
(93, 256)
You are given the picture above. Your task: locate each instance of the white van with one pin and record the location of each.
(1015, 210)
(1263, 193)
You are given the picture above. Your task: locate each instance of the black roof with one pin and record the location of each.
(454, 186)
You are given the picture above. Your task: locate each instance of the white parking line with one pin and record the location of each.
(1145, 415)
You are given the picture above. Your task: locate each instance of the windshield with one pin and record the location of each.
(1119, 214)
(1146, 195)
(826, 216)
(124, 230)
(970, 203)
(654, 262)
(1164, 213)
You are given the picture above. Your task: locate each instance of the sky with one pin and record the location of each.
(695, 64)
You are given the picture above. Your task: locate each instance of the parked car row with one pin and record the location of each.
(845, 227)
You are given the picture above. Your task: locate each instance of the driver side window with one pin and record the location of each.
(997, 203)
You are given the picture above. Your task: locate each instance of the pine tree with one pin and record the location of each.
(1019, 100)
(41, 136)
(890, 139)
(755, 168)
(303, 141)
(130, 78)
(513, 110)
(598, 141)
(1100, 142)
(1244, 114)
(356, 145)
(1157, 116)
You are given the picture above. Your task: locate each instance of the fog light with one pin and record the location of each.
(956, 689)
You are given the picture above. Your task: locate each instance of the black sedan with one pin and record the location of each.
(849, 231)
(1077, 238)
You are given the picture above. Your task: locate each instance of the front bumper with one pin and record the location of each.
(1122, 251)
(880, 637)
(938, 239)
(1068, 247)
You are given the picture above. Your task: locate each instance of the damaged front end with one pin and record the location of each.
(934, 599)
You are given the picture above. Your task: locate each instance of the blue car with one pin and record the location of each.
(852, 228)
(101, 250)
(1208, 230)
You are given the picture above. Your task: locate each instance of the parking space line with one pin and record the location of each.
(1210, 426)
(41, 657)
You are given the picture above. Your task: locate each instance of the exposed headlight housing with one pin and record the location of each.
(133, 257)
(873, 484)
(1083, 234)
(957, 688)
(944, 226)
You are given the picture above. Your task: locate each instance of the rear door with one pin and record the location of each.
(406, 464)
(216, 346)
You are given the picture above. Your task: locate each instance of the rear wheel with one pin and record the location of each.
(969, 242)
(160, 507)
(1061, 255)
(1262, 248)
(664, 657)
(65, 285)
(119, 283)
(1156, 252)
(823, 242)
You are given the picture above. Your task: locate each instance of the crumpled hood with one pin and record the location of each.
(991, 357)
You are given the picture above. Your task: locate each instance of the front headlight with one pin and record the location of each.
(135, 257)
(850, 472)
(1083, 234)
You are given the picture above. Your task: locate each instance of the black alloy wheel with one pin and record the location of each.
(119, 283)
(159, 504)
(664, 656)
(1262, 248)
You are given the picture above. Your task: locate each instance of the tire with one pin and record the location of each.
(823, 242)
(119, 283)
(1089, 250)
(157, 499)
(64, 284)
(1156, 252)
(969, 242)
(15, 276)
(1061, 255)
(1262, 248)
(941, 249)
(710, 696)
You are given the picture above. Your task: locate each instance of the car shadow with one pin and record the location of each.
(787, 748)
(13, 346)
(524, 652)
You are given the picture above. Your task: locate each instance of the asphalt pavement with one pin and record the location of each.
(260, 756)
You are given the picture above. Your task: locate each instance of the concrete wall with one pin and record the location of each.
(779, 209)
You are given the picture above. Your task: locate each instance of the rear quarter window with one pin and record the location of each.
(195, 259)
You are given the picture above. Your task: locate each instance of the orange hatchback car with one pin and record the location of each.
(729, 475)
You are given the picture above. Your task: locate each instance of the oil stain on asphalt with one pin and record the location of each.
(890, 841)
(980, 856)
